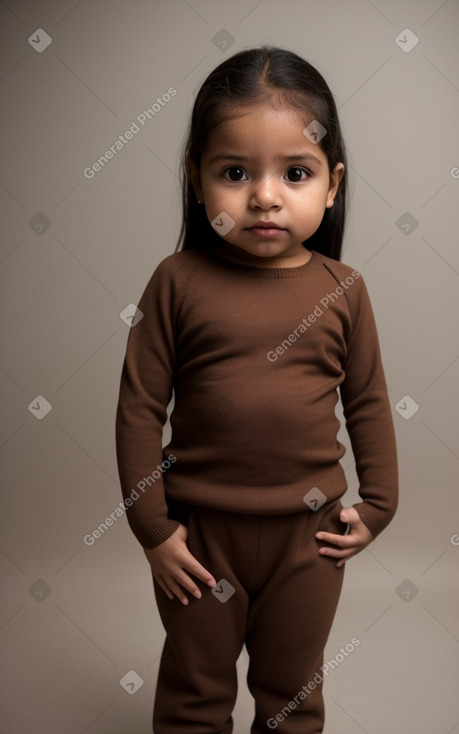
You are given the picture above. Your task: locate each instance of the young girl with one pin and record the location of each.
(252, 328)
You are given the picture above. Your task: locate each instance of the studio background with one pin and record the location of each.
(77, 250)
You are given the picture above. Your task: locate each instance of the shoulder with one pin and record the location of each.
(174, 275)
(181, 262)
(178, 269)
(347, 281)
(337, 270)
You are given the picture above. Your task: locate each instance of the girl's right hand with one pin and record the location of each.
(169, 562)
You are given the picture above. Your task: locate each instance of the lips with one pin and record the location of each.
(265, 230)
(265, 225)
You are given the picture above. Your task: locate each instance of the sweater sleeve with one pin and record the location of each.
(145, 392)
(368, 415)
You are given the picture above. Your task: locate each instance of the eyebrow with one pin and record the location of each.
(308, 157)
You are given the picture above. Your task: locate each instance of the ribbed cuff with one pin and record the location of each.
(375, 520)
(158, 534)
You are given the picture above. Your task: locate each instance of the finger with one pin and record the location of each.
(344, 541)
(185, 581)
(194, 567)
(344, 559)
(165, 588)
(177, 591)
(335, 552)
(342, 556)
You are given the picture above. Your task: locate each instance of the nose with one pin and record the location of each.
(265, 195)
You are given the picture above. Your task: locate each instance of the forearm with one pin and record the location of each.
(371, 430)
(142, 483)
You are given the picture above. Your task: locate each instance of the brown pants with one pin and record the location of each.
(277, 595)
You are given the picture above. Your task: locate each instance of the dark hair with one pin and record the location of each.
(250, 77)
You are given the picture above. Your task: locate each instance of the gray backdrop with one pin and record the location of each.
(80, 636)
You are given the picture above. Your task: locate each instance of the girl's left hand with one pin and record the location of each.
(348, 545)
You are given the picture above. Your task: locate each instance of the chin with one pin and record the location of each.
(262, 254)
(269, 250)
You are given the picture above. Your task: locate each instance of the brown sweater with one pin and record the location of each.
(253, 357)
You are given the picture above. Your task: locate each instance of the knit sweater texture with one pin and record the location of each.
(253, 359)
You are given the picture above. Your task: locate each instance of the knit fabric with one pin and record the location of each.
(253, 358)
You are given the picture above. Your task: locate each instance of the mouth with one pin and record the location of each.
(266, 229)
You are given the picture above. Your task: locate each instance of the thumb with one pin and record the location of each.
(344, 516)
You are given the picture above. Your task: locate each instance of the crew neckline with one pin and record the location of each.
(261, 272)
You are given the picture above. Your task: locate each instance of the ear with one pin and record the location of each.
(195, 177)
(335, 178)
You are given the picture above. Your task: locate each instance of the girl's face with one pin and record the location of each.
(259, 168)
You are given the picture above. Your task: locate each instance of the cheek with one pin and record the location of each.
(222, 218)
(312, 202)
(317, 198)
(218, 200)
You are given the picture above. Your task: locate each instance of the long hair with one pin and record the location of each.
(249, 77)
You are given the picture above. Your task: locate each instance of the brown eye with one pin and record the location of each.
(235, 173)
(296, 174)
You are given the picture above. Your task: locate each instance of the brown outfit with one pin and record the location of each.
(254, 357)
